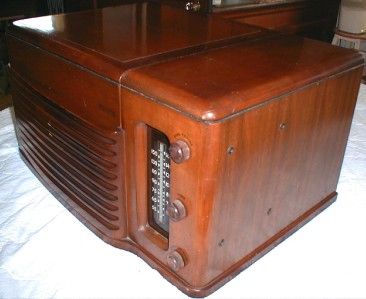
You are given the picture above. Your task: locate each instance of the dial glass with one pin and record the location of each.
(158, 180)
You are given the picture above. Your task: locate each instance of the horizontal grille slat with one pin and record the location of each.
(102, 184)
(77, 146)
(65, 189)
(65, 117)
(79, 162)
(97, 148)
(68, 175)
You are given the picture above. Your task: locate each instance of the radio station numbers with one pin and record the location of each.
(159, 185)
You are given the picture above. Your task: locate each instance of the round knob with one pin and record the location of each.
(179, 151)
(176, 210)
(175, 260)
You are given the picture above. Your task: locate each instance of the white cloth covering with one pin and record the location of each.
(45, 252)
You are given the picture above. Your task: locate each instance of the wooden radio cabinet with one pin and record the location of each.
(194, 142)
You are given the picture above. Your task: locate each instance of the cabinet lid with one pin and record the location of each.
(220, 83)
(204, 66)
(108, 41)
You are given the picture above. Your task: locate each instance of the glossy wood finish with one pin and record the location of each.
(265, 116)
(114, 39)
(80, 162)
(284, 168)
(314, 19)
(241, 76)
(41, 68)
(287, 159)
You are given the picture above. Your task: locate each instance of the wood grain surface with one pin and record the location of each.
(265, 116)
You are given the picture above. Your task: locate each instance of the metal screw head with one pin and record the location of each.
(175, 260)
(230, 150)
(176, 210)
(283, 126)
(118, 131)
(179, 151)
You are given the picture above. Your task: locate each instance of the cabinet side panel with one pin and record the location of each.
(286, 161)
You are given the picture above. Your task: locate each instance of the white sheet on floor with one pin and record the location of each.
(46, 253)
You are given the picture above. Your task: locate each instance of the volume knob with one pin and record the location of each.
(176, 210)
(179, 151)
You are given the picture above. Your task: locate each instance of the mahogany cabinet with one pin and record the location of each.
(195, 142)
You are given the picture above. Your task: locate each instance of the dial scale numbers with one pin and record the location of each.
(159, 181)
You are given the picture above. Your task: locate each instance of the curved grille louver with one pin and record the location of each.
(78, 159)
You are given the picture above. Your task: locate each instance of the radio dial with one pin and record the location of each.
(179, 151)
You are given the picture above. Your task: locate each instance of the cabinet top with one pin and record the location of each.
(111, 40)
(203, 66)
(237, 78)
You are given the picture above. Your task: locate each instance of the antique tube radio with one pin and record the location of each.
(194, 142)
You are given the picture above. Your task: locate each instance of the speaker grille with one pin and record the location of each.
(78, 161)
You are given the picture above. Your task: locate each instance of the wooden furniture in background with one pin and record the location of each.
(309, 18)
(313, 19)
(196, 143)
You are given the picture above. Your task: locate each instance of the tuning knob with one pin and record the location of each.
(179, 151)
(176, 210)
(175, 260)
(193, 5)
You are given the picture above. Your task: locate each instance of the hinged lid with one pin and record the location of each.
(108, 41)
(203, 66)
(220, 83)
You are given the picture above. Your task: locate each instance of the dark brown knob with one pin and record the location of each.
(179, 151)
(176, 210)
(175, 260)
